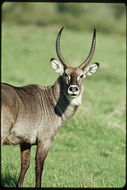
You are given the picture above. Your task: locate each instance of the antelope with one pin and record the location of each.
(32, 114)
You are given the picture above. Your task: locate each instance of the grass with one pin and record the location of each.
(89, 150)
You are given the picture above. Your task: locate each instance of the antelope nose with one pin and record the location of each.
(73, 89)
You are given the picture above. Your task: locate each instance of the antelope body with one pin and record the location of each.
(32, 115)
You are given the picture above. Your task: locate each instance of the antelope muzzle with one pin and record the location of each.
(73, 90)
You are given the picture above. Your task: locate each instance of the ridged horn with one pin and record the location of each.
(58, 49)
(88, 59)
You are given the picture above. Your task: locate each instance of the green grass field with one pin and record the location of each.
(89, 150)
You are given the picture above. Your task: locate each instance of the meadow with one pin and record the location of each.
(89, 150)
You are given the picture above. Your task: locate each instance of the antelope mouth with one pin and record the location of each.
(73, 95)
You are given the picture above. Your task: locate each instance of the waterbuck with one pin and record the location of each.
(32, 115)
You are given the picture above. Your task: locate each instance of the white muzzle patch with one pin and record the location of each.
(73, 90)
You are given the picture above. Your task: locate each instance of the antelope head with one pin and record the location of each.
(73, 76)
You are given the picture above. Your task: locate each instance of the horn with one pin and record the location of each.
(88, 59)
(58, 49)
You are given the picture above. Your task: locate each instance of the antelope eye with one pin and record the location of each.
(81, 76)
(66, 75)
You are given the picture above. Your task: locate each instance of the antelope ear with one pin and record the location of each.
(91, 69)
(57, 66)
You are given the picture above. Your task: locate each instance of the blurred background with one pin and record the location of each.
(29, 32)
(107, 18)
(90, 150)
